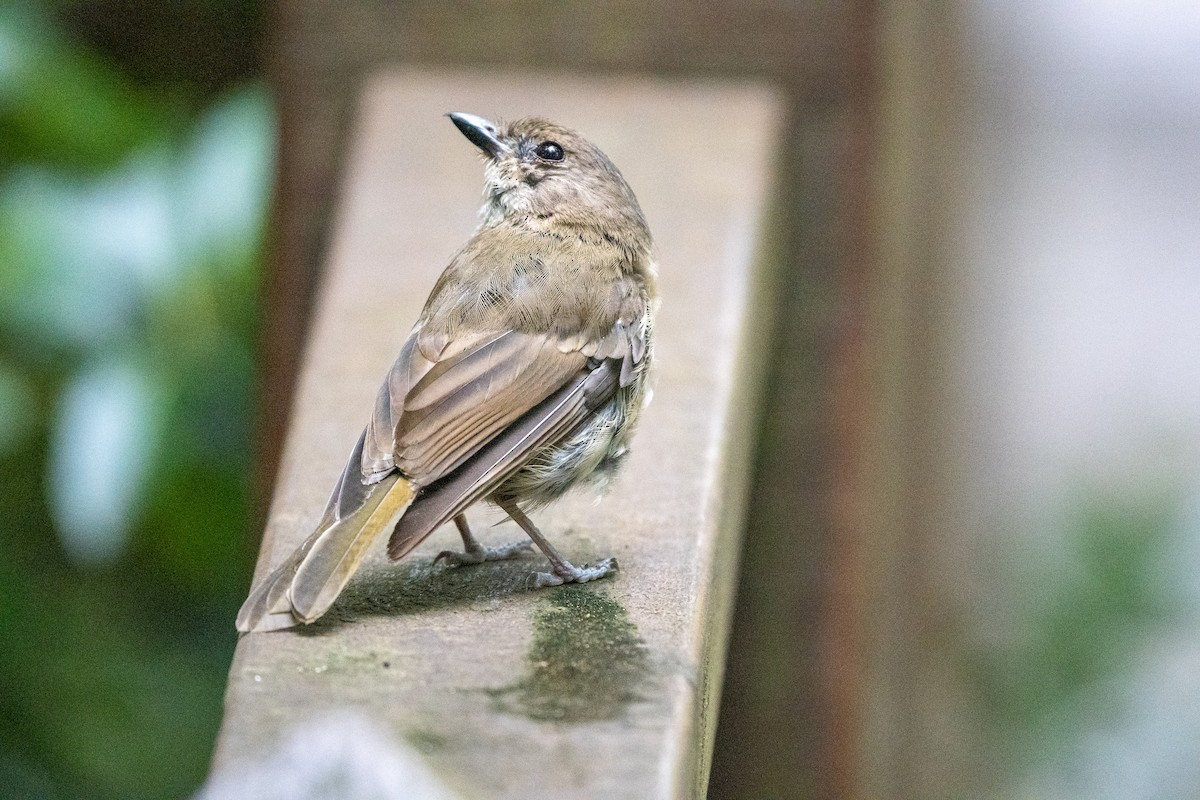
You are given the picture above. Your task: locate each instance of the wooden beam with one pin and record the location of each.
(607, 690)
(902, 533)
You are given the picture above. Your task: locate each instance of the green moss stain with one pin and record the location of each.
(585, 663)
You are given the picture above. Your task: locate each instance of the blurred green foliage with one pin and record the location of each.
(131, 228)
(1071, 636)
(63, 106)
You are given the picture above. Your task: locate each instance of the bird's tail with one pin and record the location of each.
(303, 587)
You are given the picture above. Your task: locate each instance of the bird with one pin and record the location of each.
(524, 375)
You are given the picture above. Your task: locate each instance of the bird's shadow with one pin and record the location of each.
(414, 587)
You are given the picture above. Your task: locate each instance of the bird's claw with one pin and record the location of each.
(455, 558)
(571, 574)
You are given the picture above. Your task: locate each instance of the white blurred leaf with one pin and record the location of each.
(88, 250)
(100, 459)
(224, 178)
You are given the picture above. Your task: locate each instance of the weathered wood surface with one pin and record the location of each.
(608, 690)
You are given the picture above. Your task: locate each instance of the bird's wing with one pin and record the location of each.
(464, 402)
(420, 354)
(499, 458)
(611, 363)
(440, 403)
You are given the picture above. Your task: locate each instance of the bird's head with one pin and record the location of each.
(544, 174)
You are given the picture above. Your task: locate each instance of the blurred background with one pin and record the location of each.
(971, 565)
(136, 162)
(1076, 353)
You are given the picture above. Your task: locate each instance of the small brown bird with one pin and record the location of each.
(523, 377)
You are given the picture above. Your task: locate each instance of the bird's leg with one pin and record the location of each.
(564, 571)
(474, 552)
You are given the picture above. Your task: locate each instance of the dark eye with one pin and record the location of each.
(549, 151)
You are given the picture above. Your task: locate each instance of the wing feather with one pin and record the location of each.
(456, 408)
(549, 421)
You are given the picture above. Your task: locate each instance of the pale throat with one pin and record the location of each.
(513, 201)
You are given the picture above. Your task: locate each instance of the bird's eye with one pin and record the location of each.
(549, 151)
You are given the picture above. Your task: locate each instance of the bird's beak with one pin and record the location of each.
(481, 133)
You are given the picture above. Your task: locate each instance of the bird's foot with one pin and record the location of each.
(479, 555)
(572, 574)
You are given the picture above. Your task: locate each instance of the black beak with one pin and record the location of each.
(481, 133)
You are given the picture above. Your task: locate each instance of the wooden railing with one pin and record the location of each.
(462, 681)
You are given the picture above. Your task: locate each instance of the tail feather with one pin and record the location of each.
(263, 609)
(303, 587)
(335, 556)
